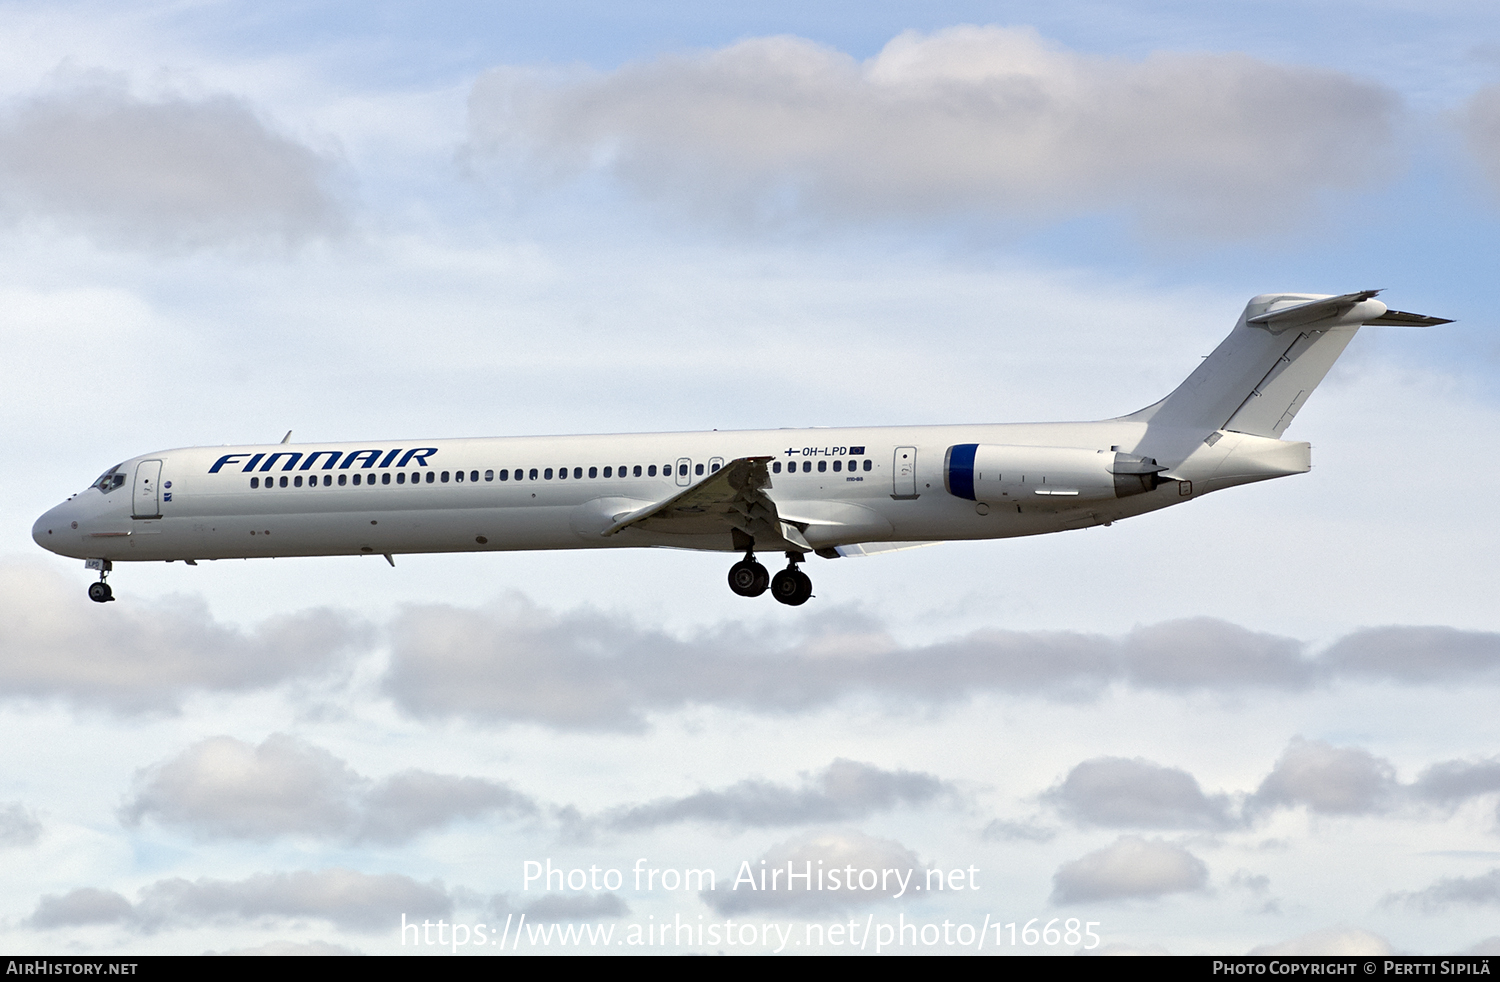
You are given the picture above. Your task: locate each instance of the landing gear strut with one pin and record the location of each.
(100, 593)
(791, 586)
(747, 577)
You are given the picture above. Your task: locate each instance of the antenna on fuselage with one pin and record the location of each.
(287, 438)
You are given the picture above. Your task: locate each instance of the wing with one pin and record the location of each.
(731, 498)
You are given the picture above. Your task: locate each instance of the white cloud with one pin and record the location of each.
(512, 661)
(415, 801)
(285, 949)
(1327, 779)
(966, 120)
(18, 825)
(80, 907)
(1473, 891)
(1004, 830)
(168, 173)
(564, 907)
(1415, 654)
(857, 870)
(843, 791)
(1123, 793)
(223, 787)
(1481, 125)
(1130, 868)
(143, 657)
(342, 897)
(1330, 941)
(1453, 781)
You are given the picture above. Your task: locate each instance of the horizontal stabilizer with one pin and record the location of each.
(1313, 310)
(1400, 318)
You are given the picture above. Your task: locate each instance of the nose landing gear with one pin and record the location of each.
(100, 593)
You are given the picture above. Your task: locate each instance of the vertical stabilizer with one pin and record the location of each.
(1259, 376)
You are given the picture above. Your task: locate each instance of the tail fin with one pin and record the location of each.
(1258, 377)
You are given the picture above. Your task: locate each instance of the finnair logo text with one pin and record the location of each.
(289, 459)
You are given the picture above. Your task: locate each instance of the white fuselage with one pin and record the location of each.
(839, 486)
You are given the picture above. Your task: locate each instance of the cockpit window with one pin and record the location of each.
(110, 479)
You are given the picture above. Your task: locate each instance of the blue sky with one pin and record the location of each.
(1262, 721)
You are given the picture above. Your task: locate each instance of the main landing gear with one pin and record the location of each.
(748, 578)
(100, 593)
(791, 586)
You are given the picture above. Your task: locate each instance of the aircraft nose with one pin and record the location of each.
(49, 528)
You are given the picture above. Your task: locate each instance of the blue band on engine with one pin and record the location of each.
(959, 474)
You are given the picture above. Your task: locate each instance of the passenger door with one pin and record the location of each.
(146, 502)
(904, 474)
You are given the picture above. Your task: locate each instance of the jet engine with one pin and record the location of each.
(990, 472)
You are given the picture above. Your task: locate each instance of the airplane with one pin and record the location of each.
(830, 492)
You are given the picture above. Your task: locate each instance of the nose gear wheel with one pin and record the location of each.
(100, 593)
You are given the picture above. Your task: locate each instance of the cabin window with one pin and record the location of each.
(838, 465)
(806, 466)
(343, 479)
(822, 466)
(547, 473)
(682, 470)
(716, 468)
(606, 471)
(594, 472)
(531, 475)
(400, 478)
(698, 470)
(651, 471)
(445, 477)
(255, 482)
(459, 477)
(297, 481)
(578, 472)
(385, 478)
(776, 467)
(562, 473)
(505, 475)
(283, 482)
(867, 465)
(431, 476)
(489, 475)
(473, 476)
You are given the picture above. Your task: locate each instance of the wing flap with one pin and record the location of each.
(733, 497)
